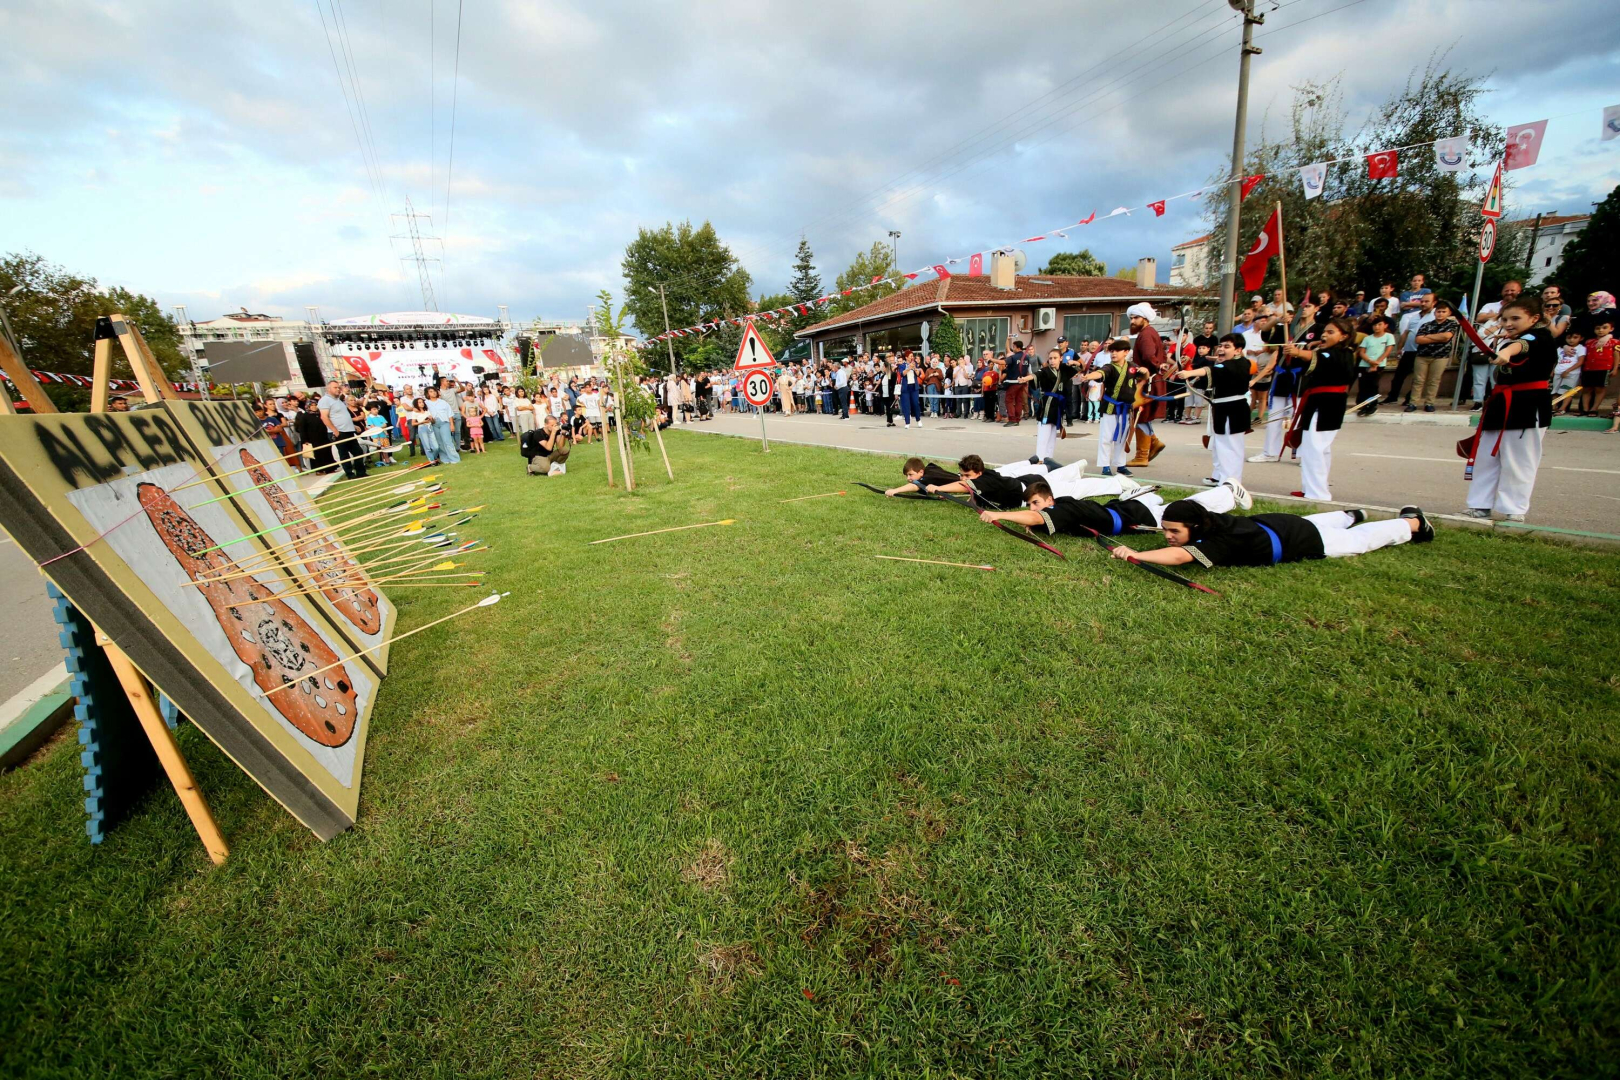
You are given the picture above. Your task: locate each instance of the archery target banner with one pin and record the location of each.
(270, 499)
(102, 502)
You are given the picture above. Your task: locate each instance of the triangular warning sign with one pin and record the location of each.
(753, 352)
(1492, 206)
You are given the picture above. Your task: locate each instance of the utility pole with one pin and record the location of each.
(1234, 188)
(668, 341)
(894, 242)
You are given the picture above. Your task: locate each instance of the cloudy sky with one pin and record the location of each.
(210, 153)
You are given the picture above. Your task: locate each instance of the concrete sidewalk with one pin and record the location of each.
(1375, 464)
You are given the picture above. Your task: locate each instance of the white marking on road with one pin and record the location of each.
(1571, 468)
(1403, 457)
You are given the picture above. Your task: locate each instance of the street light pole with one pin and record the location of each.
(894, 237)
(669, 342)
(1234, 188)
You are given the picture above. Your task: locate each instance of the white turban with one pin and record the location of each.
(1143, 310)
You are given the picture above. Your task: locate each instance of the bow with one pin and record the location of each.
(1152, 568)
(1030, 538)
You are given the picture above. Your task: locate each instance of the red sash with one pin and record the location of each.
(1295, 436)
(1469, 447)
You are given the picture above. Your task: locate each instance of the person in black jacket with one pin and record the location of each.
(1319, 411)
(545, 446)
(988, 486)
(1505, 452)
(1194, 533)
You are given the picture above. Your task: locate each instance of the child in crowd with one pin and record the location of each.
(1567, 372)
(1595, 367)
(472, 411)
(377, 434)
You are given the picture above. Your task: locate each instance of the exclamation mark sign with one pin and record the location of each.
(753, 348)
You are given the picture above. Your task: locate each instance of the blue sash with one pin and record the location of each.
(1276, 543)
(1119, 523)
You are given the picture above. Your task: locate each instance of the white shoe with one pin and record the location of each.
(1262, 457)
(919, 425)
(1475, 512)
(1210, 481)
(1512, 517)
(1245, 501)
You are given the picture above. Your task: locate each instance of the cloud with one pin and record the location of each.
(228, 167)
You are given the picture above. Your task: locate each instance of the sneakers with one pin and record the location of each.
(1476, 406)
(1512, 517)
(1357, 516)
(1106, 471)
(1210, 481)
(1051, 465)
(1132, 490)
(1123, 471)
(1475, 512)
(1410, 408)
(919, 425)
(1425, 531)
(1034, 460)
(1244, 499)
(1262, 457)
(1428, 408)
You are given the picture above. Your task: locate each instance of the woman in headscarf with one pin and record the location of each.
(1194, 533)
(1599, 308)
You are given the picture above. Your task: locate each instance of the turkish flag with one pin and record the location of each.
(1265, 246)
(976, 265)
(1382, 165)
(876, 278)
(1089, 218)
(1249, 183)
(1524, 144)
(1157, 208)
(939, 268)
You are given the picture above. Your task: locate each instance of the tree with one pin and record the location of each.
(805, 287)
(1592, 259)
(702, 280)
(778, 333)
(877, 263)
(947, 337)
(1080, 263)
(54, 315)
(1362, 232)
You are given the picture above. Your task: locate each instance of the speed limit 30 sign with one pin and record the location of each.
(756, 388)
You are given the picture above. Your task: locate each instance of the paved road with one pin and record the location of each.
(1375, 463)
(28, 646)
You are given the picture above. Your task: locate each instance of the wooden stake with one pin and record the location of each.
(101, 376)
(155, 385)
(659, 433)
(802, 498)
(607, 453)
(936, 562)
(24, 380)
(492, 598)
(168, 751)
(655, 532)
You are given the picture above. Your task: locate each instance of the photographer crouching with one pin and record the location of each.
(546, 448)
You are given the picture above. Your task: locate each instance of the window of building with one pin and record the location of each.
(1079, 328)
(1179, 260)
(981, 334)
(1548, 262)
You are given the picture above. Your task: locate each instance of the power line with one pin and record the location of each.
(341, 23)
(450, 166)
(365, 158)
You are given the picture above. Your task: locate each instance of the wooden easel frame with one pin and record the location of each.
(154, 387)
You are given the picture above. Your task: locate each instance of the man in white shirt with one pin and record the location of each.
(1411, 319)
(841, 390)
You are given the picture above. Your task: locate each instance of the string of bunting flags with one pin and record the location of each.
(84, 381)
(1522, 148)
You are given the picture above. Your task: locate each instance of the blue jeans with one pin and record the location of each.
(909, 406)
(445, 436)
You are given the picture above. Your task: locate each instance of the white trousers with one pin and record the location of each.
(1217, 500)
(1503, 482)
(1227, 452)
(1341, 536)
(1110, 453)
(1068, 479)
(1315, 459)
(1046, 441)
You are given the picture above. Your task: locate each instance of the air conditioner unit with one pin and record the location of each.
(1045, 318)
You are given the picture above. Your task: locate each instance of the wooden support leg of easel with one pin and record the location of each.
(23, 379)
(155, 385)
(101, 374)
(168, 751)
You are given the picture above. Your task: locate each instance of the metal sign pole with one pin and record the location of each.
(764, 442)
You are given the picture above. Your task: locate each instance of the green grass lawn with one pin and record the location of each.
(746, 801)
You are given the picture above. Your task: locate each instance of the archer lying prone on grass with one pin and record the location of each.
(1140, 508)
(1194, 533)
(919, 475)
